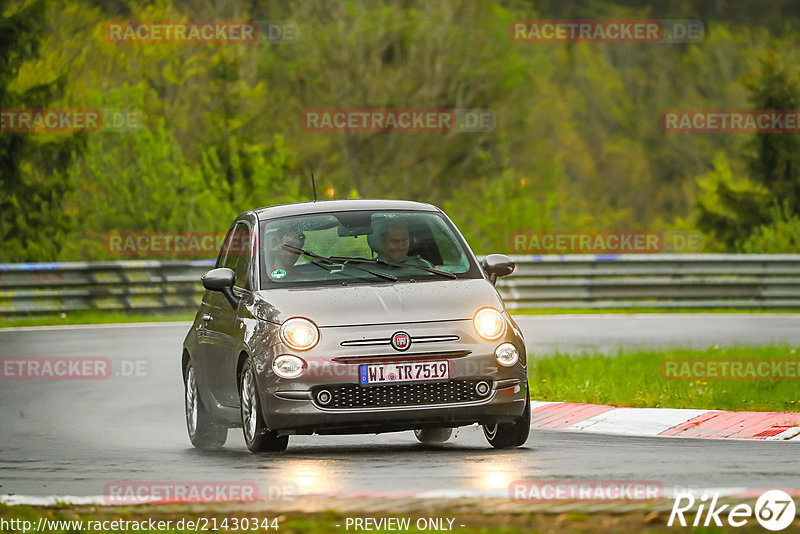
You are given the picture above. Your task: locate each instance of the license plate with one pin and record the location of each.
(403, 372)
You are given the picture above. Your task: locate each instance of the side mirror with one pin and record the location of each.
(497, 265)
(222, 280)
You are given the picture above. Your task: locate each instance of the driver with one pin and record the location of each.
(392, 242)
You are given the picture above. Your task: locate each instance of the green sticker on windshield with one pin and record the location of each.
(278, 273)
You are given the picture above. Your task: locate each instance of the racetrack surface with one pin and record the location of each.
(75, 437)
(607, 332)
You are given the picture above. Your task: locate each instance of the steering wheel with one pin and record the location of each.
(418, 260)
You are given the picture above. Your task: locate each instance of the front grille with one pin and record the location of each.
(388, 340)
(355, 396)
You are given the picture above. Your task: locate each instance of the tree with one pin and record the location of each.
(31, 166)
(733, 210)
(782, 236)
(141, 181)
(776, 163)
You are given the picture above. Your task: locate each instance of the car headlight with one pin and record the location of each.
(288, 366)
(299, 333)
(506, 354)
(489, 323)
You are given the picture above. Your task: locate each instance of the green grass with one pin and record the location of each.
(288, 523)
(92, 317)
(475, 518)
(633, 378)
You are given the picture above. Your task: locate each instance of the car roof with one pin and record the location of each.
(327, 206)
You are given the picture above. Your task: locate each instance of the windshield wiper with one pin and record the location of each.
(332, 260)
(393, 264)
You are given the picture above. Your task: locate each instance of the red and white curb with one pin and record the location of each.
(683, 423)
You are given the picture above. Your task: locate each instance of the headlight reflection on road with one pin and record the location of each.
(497, 475)
(301, 478)
(496, 480)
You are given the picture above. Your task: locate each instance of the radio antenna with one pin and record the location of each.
(314, 186)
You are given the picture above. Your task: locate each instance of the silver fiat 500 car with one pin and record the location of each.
(353, 316)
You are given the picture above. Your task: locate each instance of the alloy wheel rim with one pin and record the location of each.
(191, 401)
(249, 405)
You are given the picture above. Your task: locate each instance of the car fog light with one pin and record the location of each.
(324, 397)
(288, 366)
(482, 388)
(506, 354)
(489, 323)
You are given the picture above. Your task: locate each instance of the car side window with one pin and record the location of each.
(238, 255)
(235, 254)
(223, 250)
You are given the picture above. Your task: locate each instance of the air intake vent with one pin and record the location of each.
(424, 394)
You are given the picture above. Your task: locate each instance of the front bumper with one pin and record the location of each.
(291, 406)
(305, 415)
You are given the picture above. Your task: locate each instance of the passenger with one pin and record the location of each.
(281, 261)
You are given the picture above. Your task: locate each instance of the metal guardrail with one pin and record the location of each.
(571, 281)
(654, 281)
(146, 286)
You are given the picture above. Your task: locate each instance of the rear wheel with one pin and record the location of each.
(514, 434)
(256, 435)
(204, 432)
(433, 436)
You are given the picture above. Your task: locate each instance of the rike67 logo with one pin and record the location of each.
(774, 510)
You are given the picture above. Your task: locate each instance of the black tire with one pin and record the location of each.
(204, 432)
(507, 435)
(257, 436)
(433, 436)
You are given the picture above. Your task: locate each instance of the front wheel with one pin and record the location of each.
(256, 435)
(514, 434)
(204, 432)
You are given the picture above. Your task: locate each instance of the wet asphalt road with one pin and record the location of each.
(74, 437)
(571, 333)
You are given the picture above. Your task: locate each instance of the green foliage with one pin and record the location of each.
(255, 174)
(730, 208)
(31, 166)
(780, 236)
(490, 211)
(755, 213)
(776, 162)
(577, 143)
(139, 181)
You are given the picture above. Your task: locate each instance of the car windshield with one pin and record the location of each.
(361, 247)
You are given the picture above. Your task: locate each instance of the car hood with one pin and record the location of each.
(401, 302)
